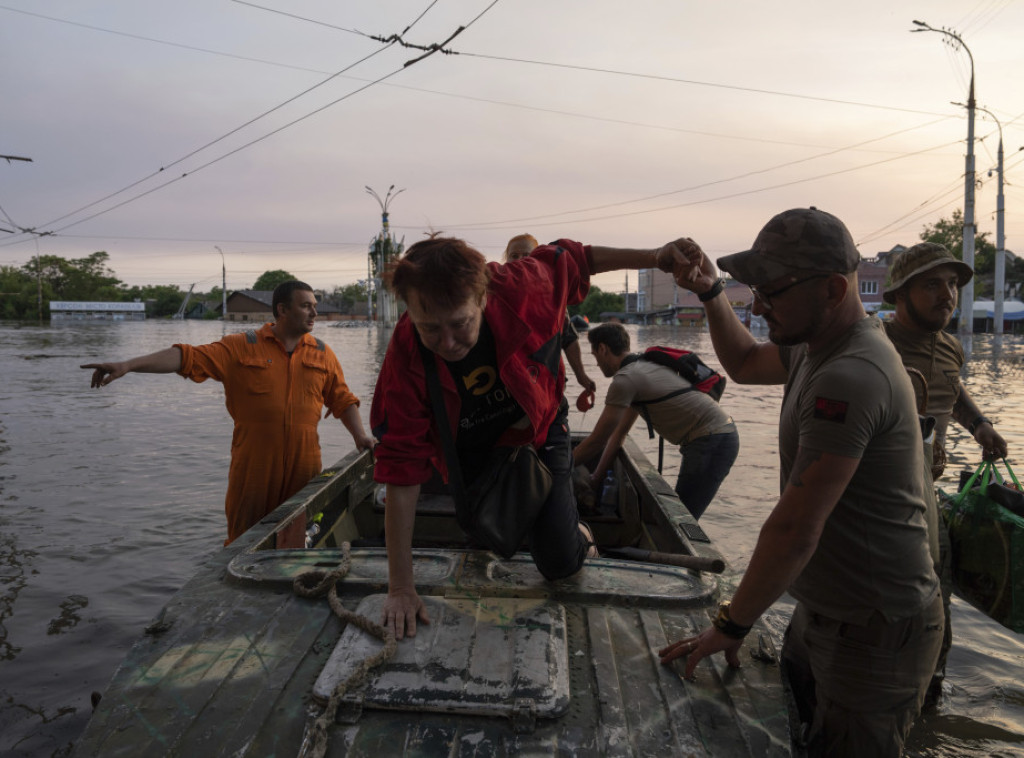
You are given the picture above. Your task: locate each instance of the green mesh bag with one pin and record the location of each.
(985, 520)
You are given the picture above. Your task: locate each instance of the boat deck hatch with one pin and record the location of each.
(482, 656)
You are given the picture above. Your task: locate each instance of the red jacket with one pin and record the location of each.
(526, 301)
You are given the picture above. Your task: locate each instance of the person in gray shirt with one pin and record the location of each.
(683, 415)
(848, 536)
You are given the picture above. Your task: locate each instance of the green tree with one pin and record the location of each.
(346, 296)
(76, 279)
(160, 299)
(57, 278)
(597, 302)
(270, 279)
(18, 293)
(949, 232)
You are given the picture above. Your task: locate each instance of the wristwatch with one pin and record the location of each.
(727, 626)
(978, 421)
(715, 291)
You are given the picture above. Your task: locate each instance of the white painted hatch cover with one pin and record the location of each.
(480, 656)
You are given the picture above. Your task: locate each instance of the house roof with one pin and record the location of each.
(266, 297)
(261, 296)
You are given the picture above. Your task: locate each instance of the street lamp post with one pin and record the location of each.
(223, 285)
(1000, 275)
(384, 309)
(967, 294)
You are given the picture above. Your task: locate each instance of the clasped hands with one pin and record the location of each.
(688, 264)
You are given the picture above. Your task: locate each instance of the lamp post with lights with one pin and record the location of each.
(967, 295)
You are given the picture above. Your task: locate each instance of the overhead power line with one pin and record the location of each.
(703, 185)
(694, 82)
(429, 50)
(715, 199)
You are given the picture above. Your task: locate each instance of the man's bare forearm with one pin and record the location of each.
(165, 361)
(618, 258)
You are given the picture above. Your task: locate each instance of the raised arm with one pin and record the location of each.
(746, 360)
(165, 361)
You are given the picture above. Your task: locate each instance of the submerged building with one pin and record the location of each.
(71, 310)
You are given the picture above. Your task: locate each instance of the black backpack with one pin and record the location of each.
(685, 363)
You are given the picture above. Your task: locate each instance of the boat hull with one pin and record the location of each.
(237, 664)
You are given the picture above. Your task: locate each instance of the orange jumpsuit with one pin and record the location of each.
(275, 401)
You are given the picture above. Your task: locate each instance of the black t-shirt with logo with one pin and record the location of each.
(488, 408)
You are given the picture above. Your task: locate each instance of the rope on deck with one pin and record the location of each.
(313, 584)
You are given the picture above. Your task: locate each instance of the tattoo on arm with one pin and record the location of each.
(804, 460)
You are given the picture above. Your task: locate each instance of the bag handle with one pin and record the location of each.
(982, 467)
(1013, 477)
(999, 478)
(443, 428)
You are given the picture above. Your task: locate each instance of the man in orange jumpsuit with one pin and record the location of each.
(276, 380)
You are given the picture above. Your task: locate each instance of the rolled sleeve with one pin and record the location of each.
(202, 362)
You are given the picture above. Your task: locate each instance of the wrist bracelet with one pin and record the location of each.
(727, 626)
(976, 423)
(715, 291)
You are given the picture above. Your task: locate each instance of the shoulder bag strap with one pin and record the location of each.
(443, 427)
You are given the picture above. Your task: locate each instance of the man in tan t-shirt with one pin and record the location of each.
(707, 437)
(848, 537)
(924, 284)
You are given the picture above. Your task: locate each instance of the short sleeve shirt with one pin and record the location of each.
(854, 399)
(940, 358)
(676, 418)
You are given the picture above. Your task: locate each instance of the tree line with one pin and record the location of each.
(26, 291)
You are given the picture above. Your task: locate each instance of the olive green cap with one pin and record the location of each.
(801, 239)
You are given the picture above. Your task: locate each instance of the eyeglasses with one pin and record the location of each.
(765, 298)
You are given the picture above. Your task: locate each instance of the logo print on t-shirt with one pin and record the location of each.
(830, 410)
(480, 380)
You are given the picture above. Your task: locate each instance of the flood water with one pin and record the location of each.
(110, 498)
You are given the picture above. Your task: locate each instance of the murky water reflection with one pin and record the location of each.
(110, 498)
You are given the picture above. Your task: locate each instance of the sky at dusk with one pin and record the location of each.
(162, 131)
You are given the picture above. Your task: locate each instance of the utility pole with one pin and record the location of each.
(223, 285)
(37, 235)
(1000, 273)
(967, 293)
(39, 271)
(999, 285)
(385, 249)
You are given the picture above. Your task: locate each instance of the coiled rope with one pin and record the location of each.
(313, 584)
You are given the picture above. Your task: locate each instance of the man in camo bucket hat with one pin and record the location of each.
(923, 285)
(922, 257)
(852, 491)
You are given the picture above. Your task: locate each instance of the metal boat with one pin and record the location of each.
(238, 664)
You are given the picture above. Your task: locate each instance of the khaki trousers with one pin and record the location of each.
(859, 688)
